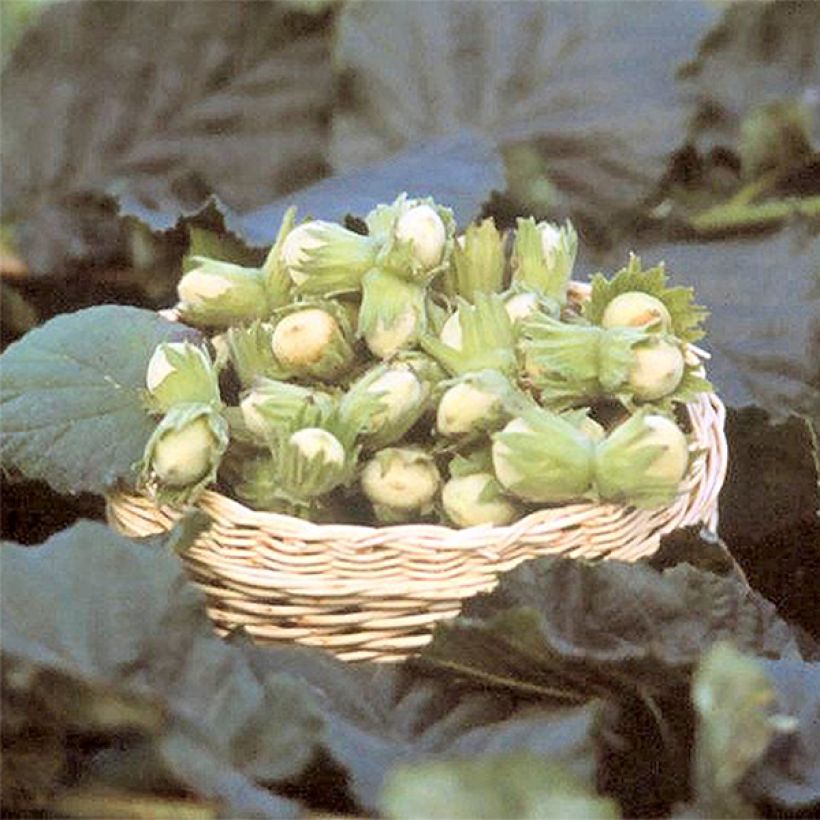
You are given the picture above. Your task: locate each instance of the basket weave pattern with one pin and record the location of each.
(375, 593)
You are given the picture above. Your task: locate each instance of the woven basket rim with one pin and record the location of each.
(358, 531)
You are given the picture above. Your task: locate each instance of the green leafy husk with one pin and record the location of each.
(271, 407)
(544, 305)
(243, 299)
(278, 283)
(251, 354)
(174, 421)
(479, 460)
(338, 263)
(284, 480)
(581, 419)
(572, 363)
(289, 483)
(191, 379)
(437, 309)
(351, 425)
(553, 460)
(569, 363)
(425, 367)
(505, 401)
(687, 317)
(487, 339)
(370, 408)
(396, 256)
(622, 460)
(255, 481)
(548, 274)
(393, 313)
(478, 265)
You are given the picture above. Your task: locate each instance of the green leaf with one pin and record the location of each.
(768, 510)
(170, 706)
(105, 802)
(223, 98)
(190, 526)
(222, 246)
(71, 396)
(788, 775)
(737, 216)
(137, 676)
(462, 170)
(775, 138)
(126, 647)
(733, 700)
(567, 736)
(515, 786)
(591, 84)
(695, 546)
(757, 53)
(378, 717)
(567, 631)
(571, 629)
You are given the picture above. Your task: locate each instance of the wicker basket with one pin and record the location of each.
(368, 593)
(375, 593)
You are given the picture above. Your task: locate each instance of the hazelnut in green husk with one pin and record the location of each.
(642, 461)
(401, 483)
(183, 454)
(311, 342)
(181, 373)
(543, 458)
(219, 294)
